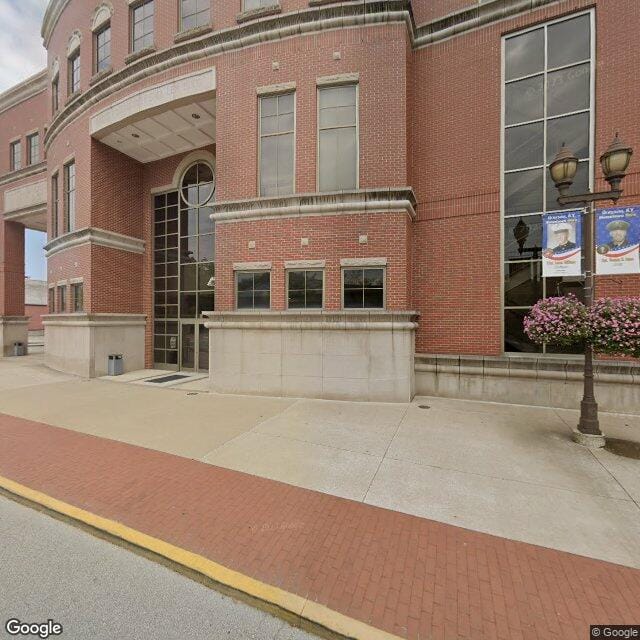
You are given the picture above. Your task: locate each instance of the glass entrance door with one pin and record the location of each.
(194, 346)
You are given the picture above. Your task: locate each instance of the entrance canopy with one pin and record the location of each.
(160, 121)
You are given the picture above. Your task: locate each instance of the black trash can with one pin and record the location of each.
(115, 365)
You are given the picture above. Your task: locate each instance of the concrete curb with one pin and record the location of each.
(290, 603)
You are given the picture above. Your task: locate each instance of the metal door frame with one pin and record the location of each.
(196, 323)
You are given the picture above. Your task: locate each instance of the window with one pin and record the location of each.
(277, 140)
(166, 286)
(338, 138)
(253, 289)
(305, 289)
(55, 95)
(15, 155)
(55, 206)
(197, 241)
(102, 44)
(258, 4)
(70, 197)
(33, 149)
(363, 288)
(142, 26)
(52, 300)
(62, 299)
(194, 13)
(548, 100)
(77, 297)
(74, 72)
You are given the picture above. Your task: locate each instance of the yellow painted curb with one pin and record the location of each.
(302, 607)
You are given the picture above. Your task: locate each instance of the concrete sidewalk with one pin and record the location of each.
(506, 470)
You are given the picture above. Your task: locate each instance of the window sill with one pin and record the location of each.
(319, 3)
(72, 97)
(260, 12)
(192, 33)
(101, 75)
(136, 55)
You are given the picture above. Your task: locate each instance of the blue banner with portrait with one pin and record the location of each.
(618, 240)
(562, 244)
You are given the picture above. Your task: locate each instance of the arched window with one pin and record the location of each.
(198, 185)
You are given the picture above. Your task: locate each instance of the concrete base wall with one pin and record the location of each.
(13, 329)
(528, 380)
(81, 343)
(333, 355)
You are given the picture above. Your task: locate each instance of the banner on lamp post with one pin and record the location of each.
(618, 240)
(562, 244)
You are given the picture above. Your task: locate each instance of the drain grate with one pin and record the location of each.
(171, 378)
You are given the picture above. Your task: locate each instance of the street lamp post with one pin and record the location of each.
(614, 161)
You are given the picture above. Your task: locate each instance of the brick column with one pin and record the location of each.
(13, 323)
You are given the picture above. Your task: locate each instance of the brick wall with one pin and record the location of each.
(330, 238)
(35, 313)
(455, 114)
(11, 269)
(383, 123)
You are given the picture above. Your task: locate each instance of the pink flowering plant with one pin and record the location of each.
(615, 326)
(561, 321)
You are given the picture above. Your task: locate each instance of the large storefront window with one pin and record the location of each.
(548, 100)
(184, 271)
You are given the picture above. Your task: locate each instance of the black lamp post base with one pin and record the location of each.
(591, 441)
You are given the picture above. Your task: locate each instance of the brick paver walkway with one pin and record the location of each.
(410, 576)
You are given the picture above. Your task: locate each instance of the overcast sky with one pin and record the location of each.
(21, 51)
(22, 55)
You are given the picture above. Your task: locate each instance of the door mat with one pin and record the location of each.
(171, 378)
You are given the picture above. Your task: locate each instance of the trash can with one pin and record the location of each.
(115, 365)
(19, 349)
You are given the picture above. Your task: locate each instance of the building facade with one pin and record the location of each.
(309, 197)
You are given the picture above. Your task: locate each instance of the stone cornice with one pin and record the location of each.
(92, 235)
(382, 320)
(26, 172)
(27, 89)
(52, 13)
(472, 17)
(318, 204)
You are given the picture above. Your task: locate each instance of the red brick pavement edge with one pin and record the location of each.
(408, 576)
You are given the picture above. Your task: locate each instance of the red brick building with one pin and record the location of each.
(335, 185)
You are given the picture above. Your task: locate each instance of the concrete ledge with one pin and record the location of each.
(79, 343)
(25, 172)
(341, 355)
(93, 235)
(400, 200)
(548, 381)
